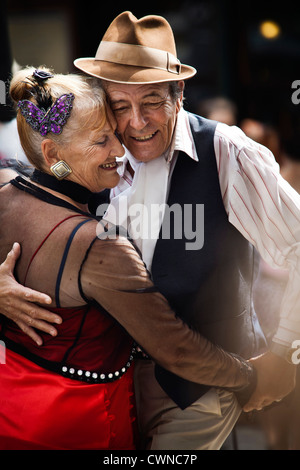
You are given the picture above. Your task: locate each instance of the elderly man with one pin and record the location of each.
(216, 175)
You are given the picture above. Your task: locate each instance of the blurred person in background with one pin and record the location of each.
(10, 146)
(265, 134)
(218, 109)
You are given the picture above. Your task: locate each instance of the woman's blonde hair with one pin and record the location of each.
(89, 96)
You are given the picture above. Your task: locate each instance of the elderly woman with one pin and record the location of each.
(76, 390)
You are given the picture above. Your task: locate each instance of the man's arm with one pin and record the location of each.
(266, 210)
(114, 276)
(18, 302)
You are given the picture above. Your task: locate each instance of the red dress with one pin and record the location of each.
(73, 393)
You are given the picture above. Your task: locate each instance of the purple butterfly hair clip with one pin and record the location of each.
(52, 120)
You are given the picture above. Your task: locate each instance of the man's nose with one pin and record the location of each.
(138, 119)
(117, 148)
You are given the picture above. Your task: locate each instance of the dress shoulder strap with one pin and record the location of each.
(64, 259)
(44, 240)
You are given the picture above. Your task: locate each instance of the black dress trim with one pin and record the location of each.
(24, 185)
(73, 190)
(67, 370)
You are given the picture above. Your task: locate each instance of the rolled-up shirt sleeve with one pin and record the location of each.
(266, 210)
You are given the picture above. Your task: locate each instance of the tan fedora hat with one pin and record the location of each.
(136, 51)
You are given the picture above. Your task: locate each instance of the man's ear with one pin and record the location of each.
(50, 152)
(179, 102)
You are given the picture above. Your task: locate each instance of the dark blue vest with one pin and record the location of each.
(209, 288)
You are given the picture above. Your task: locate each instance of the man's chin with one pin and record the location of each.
(144, 156)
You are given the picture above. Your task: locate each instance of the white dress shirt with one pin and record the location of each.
(258, 201)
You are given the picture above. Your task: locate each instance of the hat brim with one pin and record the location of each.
(130, 74)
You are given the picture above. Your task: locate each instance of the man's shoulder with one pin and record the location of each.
(200, 123)
(220, 130)
(234, 136)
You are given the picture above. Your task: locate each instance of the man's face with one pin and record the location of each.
(146, 117)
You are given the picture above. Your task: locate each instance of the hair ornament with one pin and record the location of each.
(38, 89)
(41, 75)
(45, 121)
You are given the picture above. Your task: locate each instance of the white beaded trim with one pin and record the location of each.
(96, 377)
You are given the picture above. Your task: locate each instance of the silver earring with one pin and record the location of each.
(60, 170)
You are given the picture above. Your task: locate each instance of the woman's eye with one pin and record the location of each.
(102, 141)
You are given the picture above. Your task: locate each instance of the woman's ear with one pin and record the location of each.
(50, 152)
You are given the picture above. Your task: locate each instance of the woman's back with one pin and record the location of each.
(54, 243)
(29, 221)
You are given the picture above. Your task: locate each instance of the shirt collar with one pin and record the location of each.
(182, 138)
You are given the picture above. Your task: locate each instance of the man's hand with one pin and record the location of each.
(16, 301)
(276, 378)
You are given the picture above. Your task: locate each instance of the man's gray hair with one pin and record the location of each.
(175, 90)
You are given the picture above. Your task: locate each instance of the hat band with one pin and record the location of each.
(138, 56)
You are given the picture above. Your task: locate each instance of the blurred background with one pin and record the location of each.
(247, 52)
(247, 55)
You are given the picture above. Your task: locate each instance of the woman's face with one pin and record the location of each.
(92, 154)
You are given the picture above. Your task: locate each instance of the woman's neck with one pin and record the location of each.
(67, 190)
